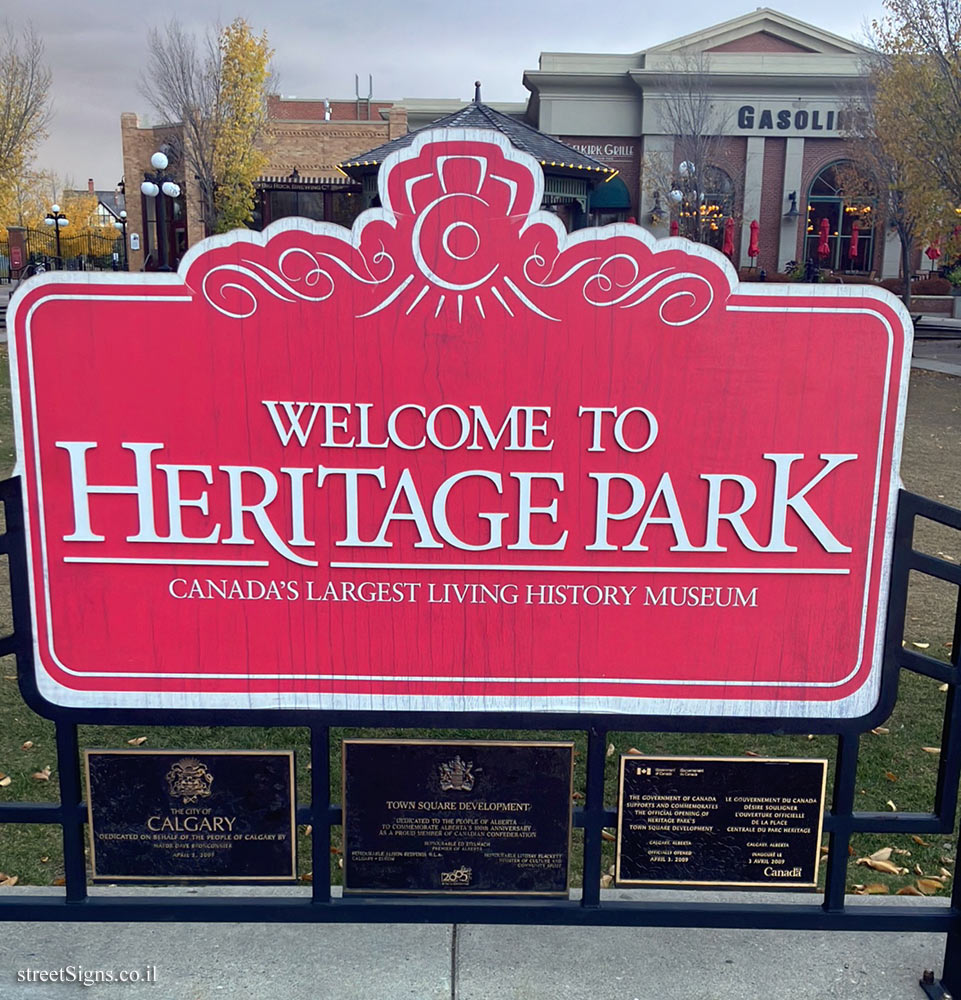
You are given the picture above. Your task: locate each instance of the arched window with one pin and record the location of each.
(827, 199)
(717, 204)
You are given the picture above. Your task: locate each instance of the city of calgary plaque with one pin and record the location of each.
(198, 816)
(732, 821)
(465, 816)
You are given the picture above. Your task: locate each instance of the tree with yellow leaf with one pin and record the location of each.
(238, 156)
(218, 92)
(24, 104)
(918, 97)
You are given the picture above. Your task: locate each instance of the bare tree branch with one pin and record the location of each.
(24, 97)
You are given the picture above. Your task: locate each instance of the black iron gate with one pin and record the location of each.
(88, 251)
(840, 821)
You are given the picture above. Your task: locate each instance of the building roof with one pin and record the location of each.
(550, 152)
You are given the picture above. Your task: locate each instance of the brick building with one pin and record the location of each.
(305, 141)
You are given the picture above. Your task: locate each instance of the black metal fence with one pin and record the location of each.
(79, 252)
(4, 260)
(841, 820)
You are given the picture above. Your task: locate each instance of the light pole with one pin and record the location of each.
(58, 220)
(155, 185)
(121, 224)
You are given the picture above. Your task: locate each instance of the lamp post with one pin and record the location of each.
(155, 185)
(121, 224)
(58, 220)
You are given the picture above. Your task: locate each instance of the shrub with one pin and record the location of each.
(895, 285)
(931, 286)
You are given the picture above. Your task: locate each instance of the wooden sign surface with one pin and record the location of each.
(458, 459)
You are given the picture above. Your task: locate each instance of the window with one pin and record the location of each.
(827, 200)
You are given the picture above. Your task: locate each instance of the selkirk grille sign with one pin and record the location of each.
(457, 459)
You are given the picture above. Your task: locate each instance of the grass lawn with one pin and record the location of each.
(894, 769)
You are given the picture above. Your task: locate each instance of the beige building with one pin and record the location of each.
(771, 92)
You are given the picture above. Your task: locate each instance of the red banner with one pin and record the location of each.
(458, 459)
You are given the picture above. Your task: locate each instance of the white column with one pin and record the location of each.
(793, 165)
(661, 147)
(753, 176)
(891, 256)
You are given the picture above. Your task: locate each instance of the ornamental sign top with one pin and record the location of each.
(457, 459)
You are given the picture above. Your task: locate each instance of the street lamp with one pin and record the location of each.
(121, 224)
(154, 185)
(58, 220)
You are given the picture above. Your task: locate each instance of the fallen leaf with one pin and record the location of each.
(824, 850)
(11, 880)
(610, 750)
(890, 775)
(44, 859)
(43, 775)
(921, 645)
(943, 687)
(918, 870)
(336, 850)
(945, 860)
(901, 850)
(340, 862)
(610, 871)
(891, 806)
(5, 780)
(307, 877)
(27, 745)
(59, 881)
(883, 855)
(920, 840)
(606, 881)
(137, 741)
(607, 836)
(850, 851)
(810, 736)
(751, 753)
(874, 889)
(944, 873)
(634, 750)
(9, 677)
(888, 867)
(929, 886)
(908, 890)
(880, 731)
(308, 830)
(931, 749)
(578, 795)
(310, 766)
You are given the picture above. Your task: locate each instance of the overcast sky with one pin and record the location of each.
(420, 49)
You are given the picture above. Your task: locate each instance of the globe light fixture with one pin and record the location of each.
(58, 220)
(159, 185)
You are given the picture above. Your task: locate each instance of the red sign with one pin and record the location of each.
(458, 459)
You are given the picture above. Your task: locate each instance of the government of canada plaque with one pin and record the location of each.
(465, 817)
(198, 816)
(736, 821)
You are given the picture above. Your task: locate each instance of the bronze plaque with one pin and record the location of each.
(734, 821)
(466, 816)
(191, 815)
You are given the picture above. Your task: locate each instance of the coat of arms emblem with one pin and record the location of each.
(456, 775)
(189, 780)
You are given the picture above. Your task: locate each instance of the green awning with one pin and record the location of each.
(610, 196)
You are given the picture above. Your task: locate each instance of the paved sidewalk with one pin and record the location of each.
(439, 962)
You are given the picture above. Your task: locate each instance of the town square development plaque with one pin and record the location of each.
(199, 816)
(465, 816)
(719, 821)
